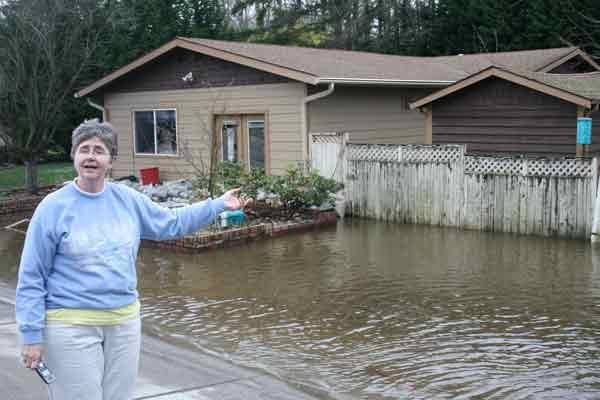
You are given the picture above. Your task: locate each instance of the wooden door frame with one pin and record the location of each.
(243, 135)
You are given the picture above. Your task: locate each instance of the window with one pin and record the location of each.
(256, 144)
(155, 132)
(229, 141)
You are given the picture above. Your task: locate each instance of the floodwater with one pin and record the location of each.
(386, 311)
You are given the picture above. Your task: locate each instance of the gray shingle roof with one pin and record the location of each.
(585, 85)
(342, 64)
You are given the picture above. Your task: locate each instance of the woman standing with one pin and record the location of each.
(77, 303)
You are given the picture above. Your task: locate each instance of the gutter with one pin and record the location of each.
(390, 82)
(98, 107)
(305, 101)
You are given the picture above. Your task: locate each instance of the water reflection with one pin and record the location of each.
(390, 311)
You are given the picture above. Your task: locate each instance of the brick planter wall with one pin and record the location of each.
(19, 202)
(233, 237)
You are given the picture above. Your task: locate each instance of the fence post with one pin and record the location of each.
(596, 201)
(343, 159)
(310, 161)
(460, 204)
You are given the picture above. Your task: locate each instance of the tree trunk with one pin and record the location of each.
(31, 175)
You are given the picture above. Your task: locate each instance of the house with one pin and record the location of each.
(257, 104)
(502, 111)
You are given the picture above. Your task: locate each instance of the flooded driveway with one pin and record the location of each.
(384, 311)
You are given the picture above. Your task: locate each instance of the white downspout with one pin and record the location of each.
(305, 101)
(98, 107)
(103, 110)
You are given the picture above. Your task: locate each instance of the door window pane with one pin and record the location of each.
(229, 140)
(256, 144)
(166, 132)
(144, 132)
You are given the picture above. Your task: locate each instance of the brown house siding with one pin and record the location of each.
(369, 114)
(167, 71)
(595, 146)
(496, 116)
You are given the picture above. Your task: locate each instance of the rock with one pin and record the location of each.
(161, 192)
(172, 204)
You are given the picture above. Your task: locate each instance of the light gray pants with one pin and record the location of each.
(93, 362)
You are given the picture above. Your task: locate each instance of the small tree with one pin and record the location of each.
(46, 47)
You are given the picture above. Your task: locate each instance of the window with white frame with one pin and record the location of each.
(155, 131)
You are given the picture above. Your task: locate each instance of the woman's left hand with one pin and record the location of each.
(233, 200)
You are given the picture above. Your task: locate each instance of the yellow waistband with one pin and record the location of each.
(81, 316)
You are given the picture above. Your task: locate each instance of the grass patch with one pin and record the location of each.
(48, 174)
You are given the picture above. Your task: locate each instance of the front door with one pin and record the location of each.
(242, 139)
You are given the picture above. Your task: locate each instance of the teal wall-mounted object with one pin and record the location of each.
(584, 130)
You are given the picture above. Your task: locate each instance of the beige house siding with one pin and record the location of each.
(196, 109)
(370, 114)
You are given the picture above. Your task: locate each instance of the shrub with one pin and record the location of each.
(253, 181)
(291, 188)
(227, 175)
(320, 189)
(295, 189)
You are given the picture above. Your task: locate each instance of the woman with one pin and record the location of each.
(77, 303)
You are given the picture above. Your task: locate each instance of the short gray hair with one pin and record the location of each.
(93, 128)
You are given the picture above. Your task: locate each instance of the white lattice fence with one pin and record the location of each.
(440, 185)
(405, 153)
(563, 168)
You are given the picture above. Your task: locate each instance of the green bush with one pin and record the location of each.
(295, 189)
(320, 189)
(291, 188)
(253, 181)
(229, 174)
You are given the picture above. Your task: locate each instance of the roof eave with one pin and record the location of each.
(386, 82)
(576, 52)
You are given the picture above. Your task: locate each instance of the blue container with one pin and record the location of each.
(229, 218)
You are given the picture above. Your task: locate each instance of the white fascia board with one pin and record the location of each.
(391, 82)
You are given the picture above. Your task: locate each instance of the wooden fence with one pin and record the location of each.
(441, 185)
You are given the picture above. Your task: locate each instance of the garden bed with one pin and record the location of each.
(213, 239)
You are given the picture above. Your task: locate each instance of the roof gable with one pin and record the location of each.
(579, 89)
(178, 42)
(184, 69)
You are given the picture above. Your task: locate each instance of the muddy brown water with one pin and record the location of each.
(386, 311)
